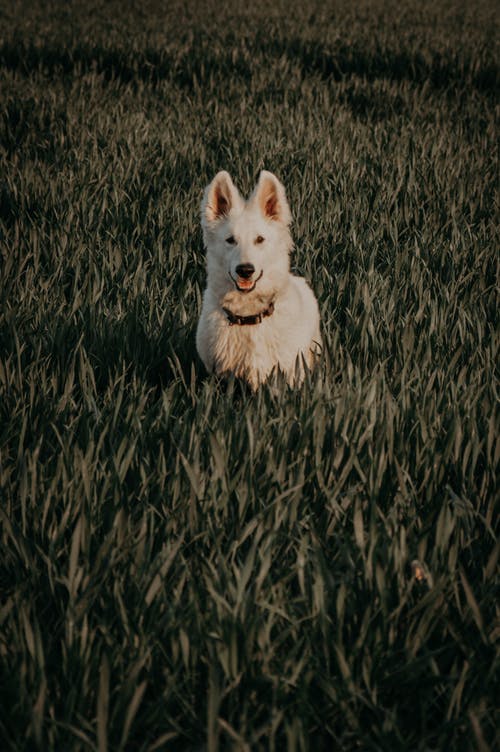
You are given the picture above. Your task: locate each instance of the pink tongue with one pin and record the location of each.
(245, 284)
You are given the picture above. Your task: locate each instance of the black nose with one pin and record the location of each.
(245, 270)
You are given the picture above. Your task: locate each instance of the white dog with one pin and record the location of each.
(256, 316)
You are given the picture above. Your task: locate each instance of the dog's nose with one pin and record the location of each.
(245, 270)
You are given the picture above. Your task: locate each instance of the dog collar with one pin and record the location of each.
(233, 318)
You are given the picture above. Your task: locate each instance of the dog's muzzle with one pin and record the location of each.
(244, 281)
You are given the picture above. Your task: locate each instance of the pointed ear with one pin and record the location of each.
(271, 198)
(220, 197)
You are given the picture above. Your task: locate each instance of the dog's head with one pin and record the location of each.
(248, 242)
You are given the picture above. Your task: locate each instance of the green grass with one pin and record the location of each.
(184, 566)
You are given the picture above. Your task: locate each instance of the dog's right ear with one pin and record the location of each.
(271, 198)
(220, 197)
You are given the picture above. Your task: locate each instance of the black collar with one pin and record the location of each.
(233, 318)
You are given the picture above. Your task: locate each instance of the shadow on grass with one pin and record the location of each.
(440, 70)
(150, 66)
(202, 61)
(107, 347)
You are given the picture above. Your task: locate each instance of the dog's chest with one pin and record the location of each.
(247, 348)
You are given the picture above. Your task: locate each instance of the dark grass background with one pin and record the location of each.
(184, 566)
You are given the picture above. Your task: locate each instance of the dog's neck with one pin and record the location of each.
(247, 304)
(251, 320)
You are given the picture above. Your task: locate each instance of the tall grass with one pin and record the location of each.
(188, 567)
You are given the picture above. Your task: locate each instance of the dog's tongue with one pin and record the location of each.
(245, 284)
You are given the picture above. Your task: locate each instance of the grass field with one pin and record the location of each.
(184, 566)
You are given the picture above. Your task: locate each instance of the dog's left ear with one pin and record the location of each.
(271, 198)
(220, 197)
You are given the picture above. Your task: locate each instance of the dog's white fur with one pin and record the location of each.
(254, 232)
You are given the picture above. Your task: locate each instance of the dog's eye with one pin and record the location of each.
(231, 240)
(259, 239)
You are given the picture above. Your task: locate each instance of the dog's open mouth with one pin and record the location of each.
(245, 285)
